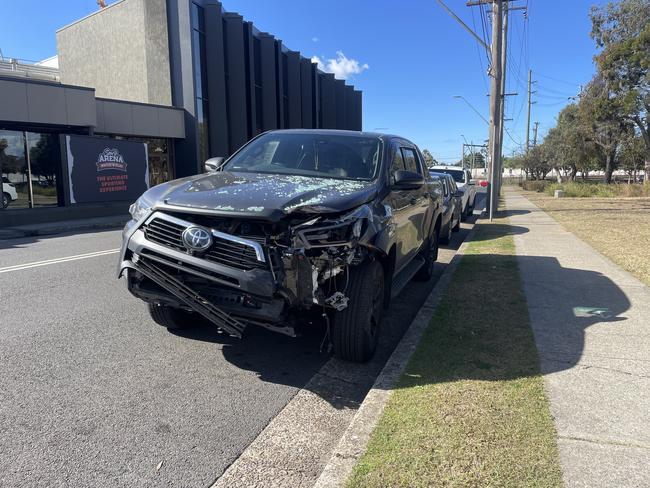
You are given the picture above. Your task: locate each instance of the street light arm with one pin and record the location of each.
(466, 27)
(473, 108)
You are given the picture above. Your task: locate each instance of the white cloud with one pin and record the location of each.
(314, 39)
(342, 66)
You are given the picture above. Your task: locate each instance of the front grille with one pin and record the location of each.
(165, 233)
(233, 254)
(225, 252)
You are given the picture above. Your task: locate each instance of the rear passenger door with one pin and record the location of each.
(419, 198)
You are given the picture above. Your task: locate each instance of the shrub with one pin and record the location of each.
(599, 190)
(535, 185)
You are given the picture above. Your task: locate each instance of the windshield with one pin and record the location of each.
(319, 155)
(457, 174)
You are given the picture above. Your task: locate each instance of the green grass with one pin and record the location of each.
(470, 409)
(600, 190)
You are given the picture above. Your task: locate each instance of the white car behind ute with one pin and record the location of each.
(463, 179)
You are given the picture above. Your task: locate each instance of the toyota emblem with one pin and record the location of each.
(197, 238)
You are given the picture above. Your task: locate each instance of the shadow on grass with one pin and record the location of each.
(488, 336)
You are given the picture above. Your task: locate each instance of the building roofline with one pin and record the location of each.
(89, 15)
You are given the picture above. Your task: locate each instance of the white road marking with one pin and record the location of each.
(47, 262)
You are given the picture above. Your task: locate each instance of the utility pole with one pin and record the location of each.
(504, 53)
(530, 82)
(535, 134)
(495, 106)
(462, 157)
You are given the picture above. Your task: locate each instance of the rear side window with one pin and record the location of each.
(398, 162)
(410, 160)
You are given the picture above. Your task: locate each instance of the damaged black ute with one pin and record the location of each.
(297, 225)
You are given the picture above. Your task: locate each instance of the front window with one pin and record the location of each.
(457, 174)
(319, 155)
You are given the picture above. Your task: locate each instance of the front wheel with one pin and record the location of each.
(6, 200)
(170, 317)
(430, 255)
(445, 238)
(355, 330)
(456, 227)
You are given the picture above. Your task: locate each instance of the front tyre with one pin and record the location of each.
(170, 317)
(430, 255)
(6, 200)
(355, 330)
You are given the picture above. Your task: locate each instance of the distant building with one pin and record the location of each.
(183, 76)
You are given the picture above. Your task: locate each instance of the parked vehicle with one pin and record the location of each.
(9, 193)
(296, 224)
(451, 206)
(463, 179)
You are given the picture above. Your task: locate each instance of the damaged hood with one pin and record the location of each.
(266, 196)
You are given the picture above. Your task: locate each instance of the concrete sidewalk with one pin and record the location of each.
(591, 322)
(64, 226)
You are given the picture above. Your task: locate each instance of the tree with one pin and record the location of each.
(632, 155)
(601, 122)
(45, 158)
(565, 146)
(428, 158)
(535, 163)
(479, 160)
(622, 30)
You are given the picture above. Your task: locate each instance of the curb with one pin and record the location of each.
(356, 437)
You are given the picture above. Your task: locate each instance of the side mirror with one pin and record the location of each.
(459, 193)
(214, 164)
(407, 180)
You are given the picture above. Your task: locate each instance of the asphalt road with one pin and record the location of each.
(93, 392)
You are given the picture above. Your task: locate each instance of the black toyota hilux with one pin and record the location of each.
(296, 225)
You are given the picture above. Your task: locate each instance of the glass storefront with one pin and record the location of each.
(30, 165)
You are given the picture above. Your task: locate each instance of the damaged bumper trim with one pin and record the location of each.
(189, 297)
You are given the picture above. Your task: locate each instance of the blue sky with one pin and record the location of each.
(417, 57)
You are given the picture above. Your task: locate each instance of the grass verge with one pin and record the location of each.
(470, 409)
(619, 228)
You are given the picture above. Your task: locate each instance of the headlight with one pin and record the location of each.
(139, 209)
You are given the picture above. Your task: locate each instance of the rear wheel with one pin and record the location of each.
(465, 212)
(170, 317)
(355, 330)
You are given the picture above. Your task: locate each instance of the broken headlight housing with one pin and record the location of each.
(140, 208)
(341, 231)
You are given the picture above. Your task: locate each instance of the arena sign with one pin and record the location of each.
(106, 170)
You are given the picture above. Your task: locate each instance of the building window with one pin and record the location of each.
(200, 80)
(30, 164)
(257, 62)
(285, 89)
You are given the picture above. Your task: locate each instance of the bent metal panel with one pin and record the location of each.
(106, 170)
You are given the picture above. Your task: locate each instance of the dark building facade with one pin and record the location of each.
(232, 80)
(184, 77)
